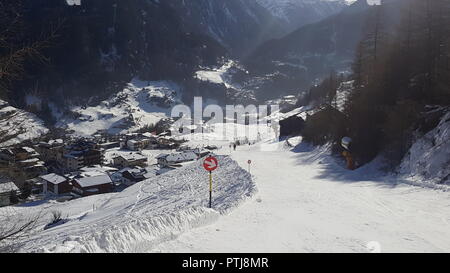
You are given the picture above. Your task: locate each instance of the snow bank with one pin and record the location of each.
(150, 212)
(427, 162)
(136, 235)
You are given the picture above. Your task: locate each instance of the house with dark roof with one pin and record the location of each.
(125, 160)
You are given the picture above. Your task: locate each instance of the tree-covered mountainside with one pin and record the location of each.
(102, 44)
(400, 83)
(293, 63)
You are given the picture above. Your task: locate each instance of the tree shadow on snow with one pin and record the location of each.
(332, 168)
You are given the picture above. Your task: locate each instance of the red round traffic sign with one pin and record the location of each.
(210, 164)
(249, 161)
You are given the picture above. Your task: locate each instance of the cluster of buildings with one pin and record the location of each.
(78, 185)
(54, 159)
(22, 163)
(76, 168)
(139, 142)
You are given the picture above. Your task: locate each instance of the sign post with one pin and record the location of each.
(210, 189)
(210, 164)
(249, 164)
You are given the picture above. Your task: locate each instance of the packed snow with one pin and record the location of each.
(307, 202)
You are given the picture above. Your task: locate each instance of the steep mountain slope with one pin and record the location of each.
(112, 41)
(293, 62)
(239, 25)
(138, 105)
(296, 13)
(104, 44)
(18, 125)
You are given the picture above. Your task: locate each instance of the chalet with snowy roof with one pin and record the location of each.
(110, 145)
(82, 153)
(125, 160)
(138, 144)
(55, 184)
(17, 154)
(7, 192)
(176, 158)
(133, 176)
(22, 163)
(167, 143)
(92, 185)
(51, 151)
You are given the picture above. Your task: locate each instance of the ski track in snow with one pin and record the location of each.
(306, 202)
(148, 213)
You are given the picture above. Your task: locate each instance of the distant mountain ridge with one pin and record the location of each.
(291, 64)
(297, 13)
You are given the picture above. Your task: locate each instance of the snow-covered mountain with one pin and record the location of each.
(296, 13)
(18, 125)
(156, 41)
(239, 25)
(139, 104)
(292, 63)
(242, 25)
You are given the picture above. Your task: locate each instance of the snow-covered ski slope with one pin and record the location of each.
(306, 202)
(145, 214)
(295, 200)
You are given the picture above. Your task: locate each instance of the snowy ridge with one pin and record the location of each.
(18, 125)
(139, 104)
(283, 8)
(147, 213)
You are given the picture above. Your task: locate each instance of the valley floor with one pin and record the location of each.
(306, 202)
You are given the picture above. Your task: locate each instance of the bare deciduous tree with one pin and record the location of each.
(15, 51)
(15, 226)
